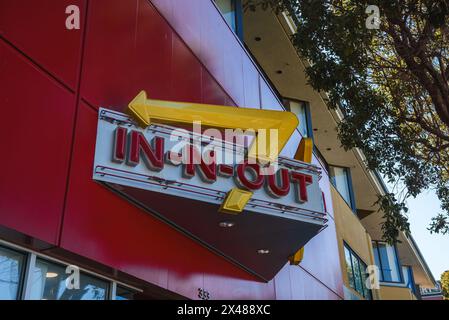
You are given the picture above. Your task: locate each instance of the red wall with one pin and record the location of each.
(52, 82)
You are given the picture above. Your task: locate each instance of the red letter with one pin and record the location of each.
(274, 189)
(324, 201)
(303, 180)
(118, 154)
(153, 157)
(257, 183)
(208, 172)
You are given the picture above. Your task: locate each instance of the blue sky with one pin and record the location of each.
(434, 247)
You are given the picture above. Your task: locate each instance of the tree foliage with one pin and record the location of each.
(391, 84)
(445, 284)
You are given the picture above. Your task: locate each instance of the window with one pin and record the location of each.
(49, 283)
(302, 111)
(409, 280)
(356, 271)
(231, 11)
(341, 179)
(11, 273)
(25, 275)
(387, 260)
(124, 293)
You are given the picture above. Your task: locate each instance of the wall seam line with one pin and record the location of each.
(77, 105)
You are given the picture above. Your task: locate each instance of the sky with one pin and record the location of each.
(434, 247)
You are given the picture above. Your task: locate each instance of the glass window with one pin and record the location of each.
(227, 9)
(341, 180)
(357, 275)
(124, 294)
(11, 273)
(299, 108)
(356, 271)
(407, 273)
(349, 268)
(49, 283)
(387, 261)
(366, 291)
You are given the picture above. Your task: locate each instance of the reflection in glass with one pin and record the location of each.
(357, 276)
(299, 109)
(124, 294)
(388, 262)
(377, 262)
(356, 270)
(11, 270)
(49, 283)
(228, 11)
(366, 290)
(340, 179)
(349, 268)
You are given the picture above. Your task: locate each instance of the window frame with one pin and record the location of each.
(61, 265)
(361, 263)
(411, 277)
(30, 257)
(237, 7)
(347, 170)
(398, 265)
(22, 271)
(309, 129)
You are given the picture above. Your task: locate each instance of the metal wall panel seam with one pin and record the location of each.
(77, 105)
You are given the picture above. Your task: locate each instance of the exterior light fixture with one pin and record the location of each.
(263, 251)
(226, 224)
(51, 275)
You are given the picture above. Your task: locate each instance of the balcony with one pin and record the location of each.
(395, 292)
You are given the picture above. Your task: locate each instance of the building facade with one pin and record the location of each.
(54, 217)
(435, 293)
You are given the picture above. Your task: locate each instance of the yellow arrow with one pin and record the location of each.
(147, 111)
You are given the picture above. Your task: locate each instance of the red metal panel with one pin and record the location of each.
(186, 74)
(109, 53)
(212, 93)
(186, 284)
(187, 23)
(125, 53)
(219, 50)
(38, 29)
(35, 136)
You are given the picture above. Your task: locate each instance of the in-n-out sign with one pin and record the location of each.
(132, 147)
(237, 209)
